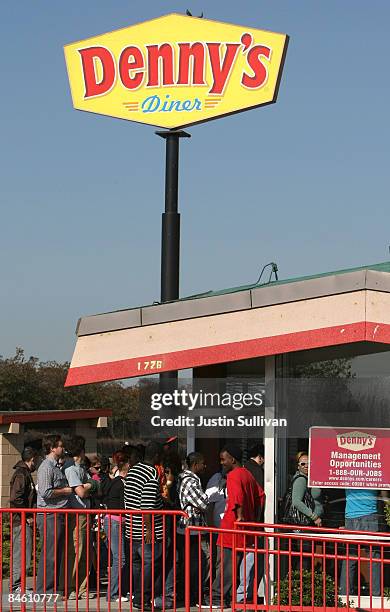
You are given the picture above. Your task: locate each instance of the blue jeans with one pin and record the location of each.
(170, 557)
(116, 541)
(362, 523)
(247, 590)
(222, 585)
(17, 553)
(142, 562)
(51, 566)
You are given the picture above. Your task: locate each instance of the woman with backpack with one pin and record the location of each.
(305, 510)
(306, 503)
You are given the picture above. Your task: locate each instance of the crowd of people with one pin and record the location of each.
(141, 552)
(74, 555)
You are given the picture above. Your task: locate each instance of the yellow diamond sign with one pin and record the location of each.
(176, 70)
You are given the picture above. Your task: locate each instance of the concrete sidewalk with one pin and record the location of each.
(82, 605)
(93, 605)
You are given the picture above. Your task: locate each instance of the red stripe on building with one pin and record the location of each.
(378, 332)
(233, 351)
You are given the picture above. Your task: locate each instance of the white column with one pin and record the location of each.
(270, 433)
(191, 436)
(270, 443)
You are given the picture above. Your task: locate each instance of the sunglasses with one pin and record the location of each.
(304, 463)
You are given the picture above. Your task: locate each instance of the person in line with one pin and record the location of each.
(163, 480)
(53, 493)
(361, 514)
(172, 467)
(79, 544)
(217, 495)
(247, 590)
(255, 463)
(114, 527)
(144, 532)
(117, 458)
(22, 495)
(98, 470)
(305, 510)
(303, 499)
(244, 498)
(95, 464)
(194, 501)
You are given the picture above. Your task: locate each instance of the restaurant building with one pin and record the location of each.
(318, 345)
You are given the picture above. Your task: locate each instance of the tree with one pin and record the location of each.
(30, 384)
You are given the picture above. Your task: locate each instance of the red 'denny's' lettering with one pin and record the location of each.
(196, 51)
(260, 72)
(158, 66)
(221, 73)
(131, 67)
(89, 56)
(155, 54)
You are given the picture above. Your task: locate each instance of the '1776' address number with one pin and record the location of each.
(144, 366)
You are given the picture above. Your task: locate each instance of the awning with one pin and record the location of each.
(279, 318)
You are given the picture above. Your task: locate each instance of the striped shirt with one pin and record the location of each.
(142, 492)
(49, 477)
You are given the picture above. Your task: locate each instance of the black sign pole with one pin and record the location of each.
(170, 235)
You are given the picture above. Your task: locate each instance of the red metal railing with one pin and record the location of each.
(82, 560)
(90, 560)
(296, 568)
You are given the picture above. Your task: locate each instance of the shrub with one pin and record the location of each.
(5, 545)
(303, 593)
(387, 512)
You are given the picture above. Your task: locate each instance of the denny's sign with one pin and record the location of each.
(175, 71)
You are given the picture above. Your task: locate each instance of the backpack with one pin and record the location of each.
(290, 514)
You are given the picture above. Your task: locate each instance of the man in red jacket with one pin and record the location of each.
(245, 499)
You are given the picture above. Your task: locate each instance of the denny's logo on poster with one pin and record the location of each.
(176, 71)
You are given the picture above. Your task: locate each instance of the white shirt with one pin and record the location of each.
(217, 497)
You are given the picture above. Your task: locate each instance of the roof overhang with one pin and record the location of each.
(326, 311)
(48, 416)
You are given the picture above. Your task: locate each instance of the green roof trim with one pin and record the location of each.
(151, 314)
(380, 267)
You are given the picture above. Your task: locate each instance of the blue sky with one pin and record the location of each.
(303, 182)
